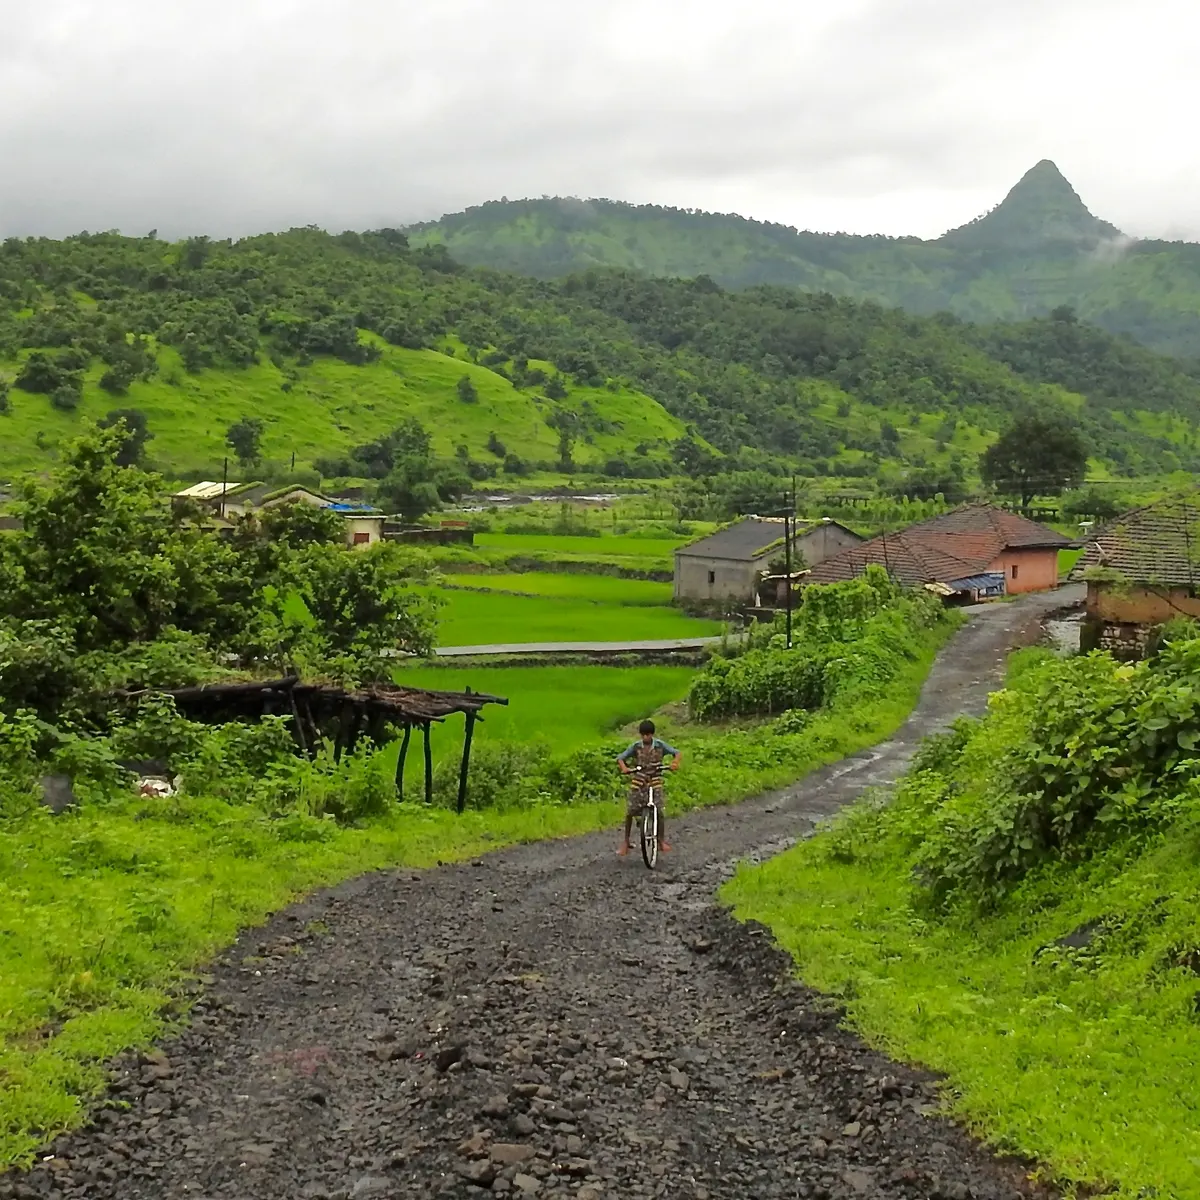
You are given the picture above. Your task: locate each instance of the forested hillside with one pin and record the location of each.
(1038, 250)
(333, 341)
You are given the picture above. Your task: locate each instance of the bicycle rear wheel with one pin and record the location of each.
(650, 833)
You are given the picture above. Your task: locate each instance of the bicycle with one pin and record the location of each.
(649, 779)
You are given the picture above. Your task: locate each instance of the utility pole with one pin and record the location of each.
(224, 485)
(788, 524)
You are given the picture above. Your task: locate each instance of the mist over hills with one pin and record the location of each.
(1038, 250)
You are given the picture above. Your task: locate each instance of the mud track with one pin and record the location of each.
(547, 1021)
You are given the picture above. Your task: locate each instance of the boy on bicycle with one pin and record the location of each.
(647, 755)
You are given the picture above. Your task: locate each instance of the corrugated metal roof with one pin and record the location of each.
(207, 490)
(978, 583)
(1159, 543)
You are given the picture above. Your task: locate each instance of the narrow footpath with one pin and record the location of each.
(548, 1021)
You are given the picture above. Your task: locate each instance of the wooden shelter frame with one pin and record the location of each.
(322, 710)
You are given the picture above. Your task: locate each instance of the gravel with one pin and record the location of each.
(548, 1021)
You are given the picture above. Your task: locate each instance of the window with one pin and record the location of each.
(712, 577)
(1014, 570)
(362, 538)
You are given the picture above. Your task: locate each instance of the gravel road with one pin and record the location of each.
(549, 1021)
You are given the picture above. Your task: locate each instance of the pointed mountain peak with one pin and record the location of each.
(1042, 208)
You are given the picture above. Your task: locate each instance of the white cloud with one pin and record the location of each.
(231, 116)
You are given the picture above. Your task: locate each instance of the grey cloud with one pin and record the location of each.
(239, 115)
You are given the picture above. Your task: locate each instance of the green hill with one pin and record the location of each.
(333, 341)
(1038, 250)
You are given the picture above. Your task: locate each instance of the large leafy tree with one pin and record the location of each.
(1035, 456)
(244, 438)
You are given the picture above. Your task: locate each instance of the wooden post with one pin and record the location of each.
(428, 766)
(346, 722)
(466, 761)
(401, 760)
(298, 725)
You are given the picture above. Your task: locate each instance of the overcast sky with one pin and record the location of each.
(895, 116)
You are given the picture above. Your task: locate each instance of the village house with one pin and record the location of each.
(1142, 570)
(976, 552)
(727, 566)
(364, 524)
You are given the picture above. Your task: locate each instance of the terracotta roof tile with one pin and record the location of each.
(1159, 543)
(1015, 530)
(953, 546)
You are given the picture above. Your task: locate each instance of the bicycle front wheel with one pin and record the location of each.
(650, 834)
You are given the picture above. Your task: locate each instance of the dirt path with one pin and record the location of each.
(550, 1021)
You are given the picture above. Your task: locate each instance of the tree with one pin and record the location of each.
(466, 391)
(95, 553)
(244, 438)
(1035, 456)
(137, 434)
(555, 388)
(297, 524)
(496, 446)
(4, 400)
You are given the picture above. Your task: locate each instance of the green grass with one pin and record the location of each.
(1081, 1058)
(606, 589)
(332, 407)
(477, 618)
(1066, 560)
(633, 551)
(568, 706)
(107, 909)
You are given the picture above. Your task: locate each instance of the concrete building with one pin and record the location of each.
(726, 566)
(363, 523)
(974, 552)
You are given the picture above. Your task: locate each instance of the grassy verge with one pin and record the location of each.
(108, 909)
(1063, 1009)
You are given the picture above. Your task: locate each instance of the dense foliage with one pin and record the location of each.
(108, 584)
(775, 379)
(1075, 755)
(855, 635)
(1037, 251)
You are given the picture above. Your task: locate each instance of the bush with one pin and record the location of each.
(849, 638)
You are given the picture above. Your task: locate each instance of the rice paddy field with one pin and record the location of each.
(622, 550)
(474, 618)
(604, 589)
(568, 706)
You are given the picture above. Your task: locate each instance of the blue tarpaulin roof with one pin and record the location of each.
(365, 509)
(978, 583)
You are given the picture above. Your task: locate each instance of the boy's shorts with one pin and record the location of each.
(637, 801)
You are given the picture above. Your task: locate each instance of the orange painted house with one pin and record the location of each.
(972, 553)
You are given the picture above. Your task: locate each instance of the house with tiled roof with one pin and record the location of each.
(728, 565)
(1142, 569)
(974, 552)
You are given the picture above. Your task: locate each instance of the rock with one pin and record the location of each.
(445, 1059)
(527, 1184)
(679, 1081)
(473, 1147)
(522, 1125)
(497, 1106)
(508, 1154)
(480, 1172)
(57, 794)
(860, 1181)
(852, 1130)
